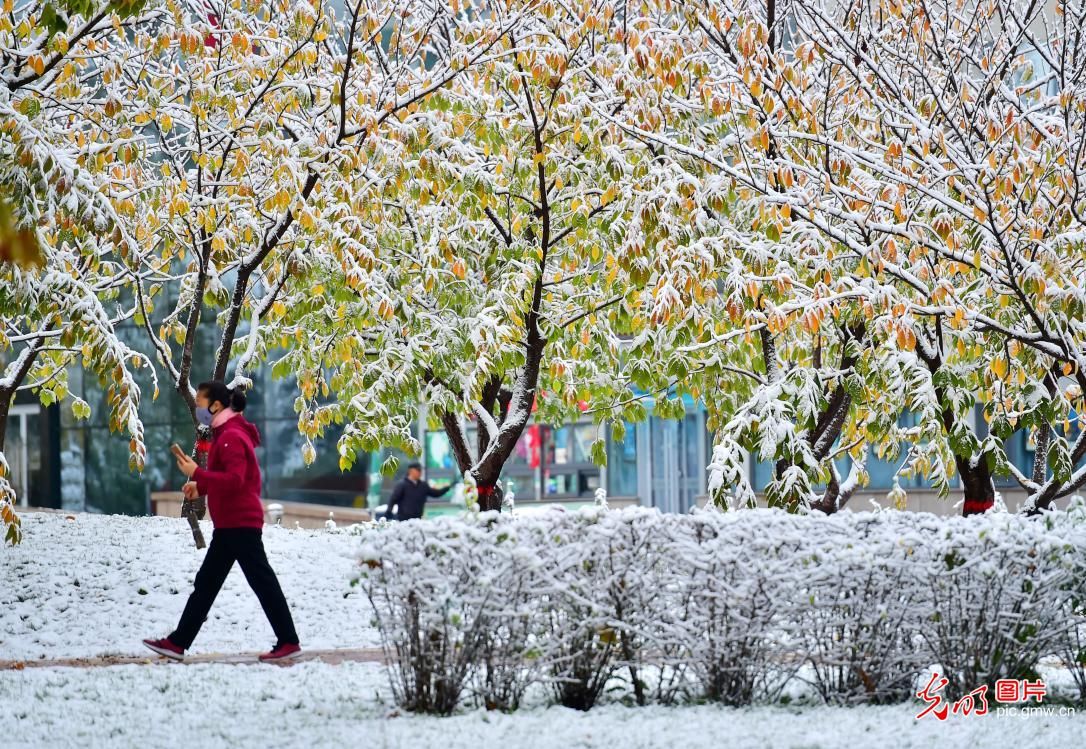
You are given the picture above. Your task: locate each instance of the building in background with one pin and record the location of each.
(58, 461)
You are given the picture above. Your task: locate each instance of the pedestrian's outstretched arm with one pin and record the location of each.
(431, 491)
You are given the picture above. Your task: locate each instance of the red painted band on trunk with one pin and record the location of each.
(977, 505)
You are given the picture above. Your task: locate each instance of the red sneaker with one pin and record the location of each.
(166, 648)
(282, 652)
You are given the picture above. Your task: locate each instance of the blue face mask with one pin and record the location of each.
(204, 415)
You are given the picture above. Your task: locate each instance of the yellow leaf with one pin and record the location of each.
(999, 367)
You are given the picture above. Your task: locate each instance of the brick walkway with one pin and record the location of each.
(339, 655)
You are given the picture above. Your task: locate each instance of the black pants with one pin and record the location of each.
(247, 547)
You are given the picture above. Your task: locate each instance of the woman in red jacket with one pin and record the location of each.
(231, 482)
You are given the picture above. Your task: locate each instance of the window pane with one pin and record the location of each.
(561, 483)
(583, 437)
(438, 453)
(111, 487)
(524, 449)
(559, 449)
(622, 465)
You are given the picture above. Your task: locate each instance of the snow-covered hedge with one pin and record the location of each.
(721, 606)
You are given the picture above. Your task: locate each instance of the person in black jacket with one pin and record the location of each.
(409, 496)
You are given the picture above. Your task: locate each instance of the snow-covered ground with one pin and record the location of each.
(44, 612)
(99, 584)
(320, 705)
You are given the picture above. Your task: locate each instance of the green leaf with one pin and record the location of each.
(30, 107)
(80, 409)
(598, 452)
(618, 430)
(1059, 460)
(390, 465)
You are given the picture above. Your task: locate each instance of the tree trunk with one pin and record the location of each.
(487, 471)
(977, 485)
(457, 442)
(5, 409)
(7, 394)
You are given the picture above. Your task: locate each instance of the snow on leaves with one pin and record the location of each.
(724, 606)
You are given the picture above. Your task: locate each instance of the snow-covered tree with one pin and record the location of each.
(494, 263)
(259, 120)
(954, 125)
(915, 155)
(60, 305)
(768, 328)
(991, 177)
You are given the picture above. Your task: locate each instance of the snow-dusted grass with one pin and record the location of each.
(319, 705)
(316, 704)
(99, 584)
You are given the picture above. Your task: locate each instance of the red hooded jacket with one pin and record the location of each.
(231, 480)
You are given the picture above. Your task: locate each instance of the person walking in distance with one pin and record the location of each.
(409, 497)
(231, 482)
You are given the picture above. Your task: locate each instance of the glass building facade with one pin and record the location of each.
(58, 461)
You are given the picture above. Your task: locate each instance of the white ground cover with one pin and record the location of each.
(318, 705)
(44, 613)
(98, 584)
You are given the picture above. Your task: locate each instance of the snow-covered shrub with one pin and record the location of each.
(645, 600)
(997, 594)
(1073, 645)
(737, 577)
(857, 618)
(1073, 650)
(724, 606)
(508, 657)
(431, 600)
(583, 634)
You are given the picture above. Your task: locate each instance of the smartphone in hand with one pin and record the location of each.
(177, 451)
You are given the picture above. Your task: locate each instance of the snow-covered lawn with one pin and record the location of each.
(97, 585)
(73, 589)
(318, 705)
